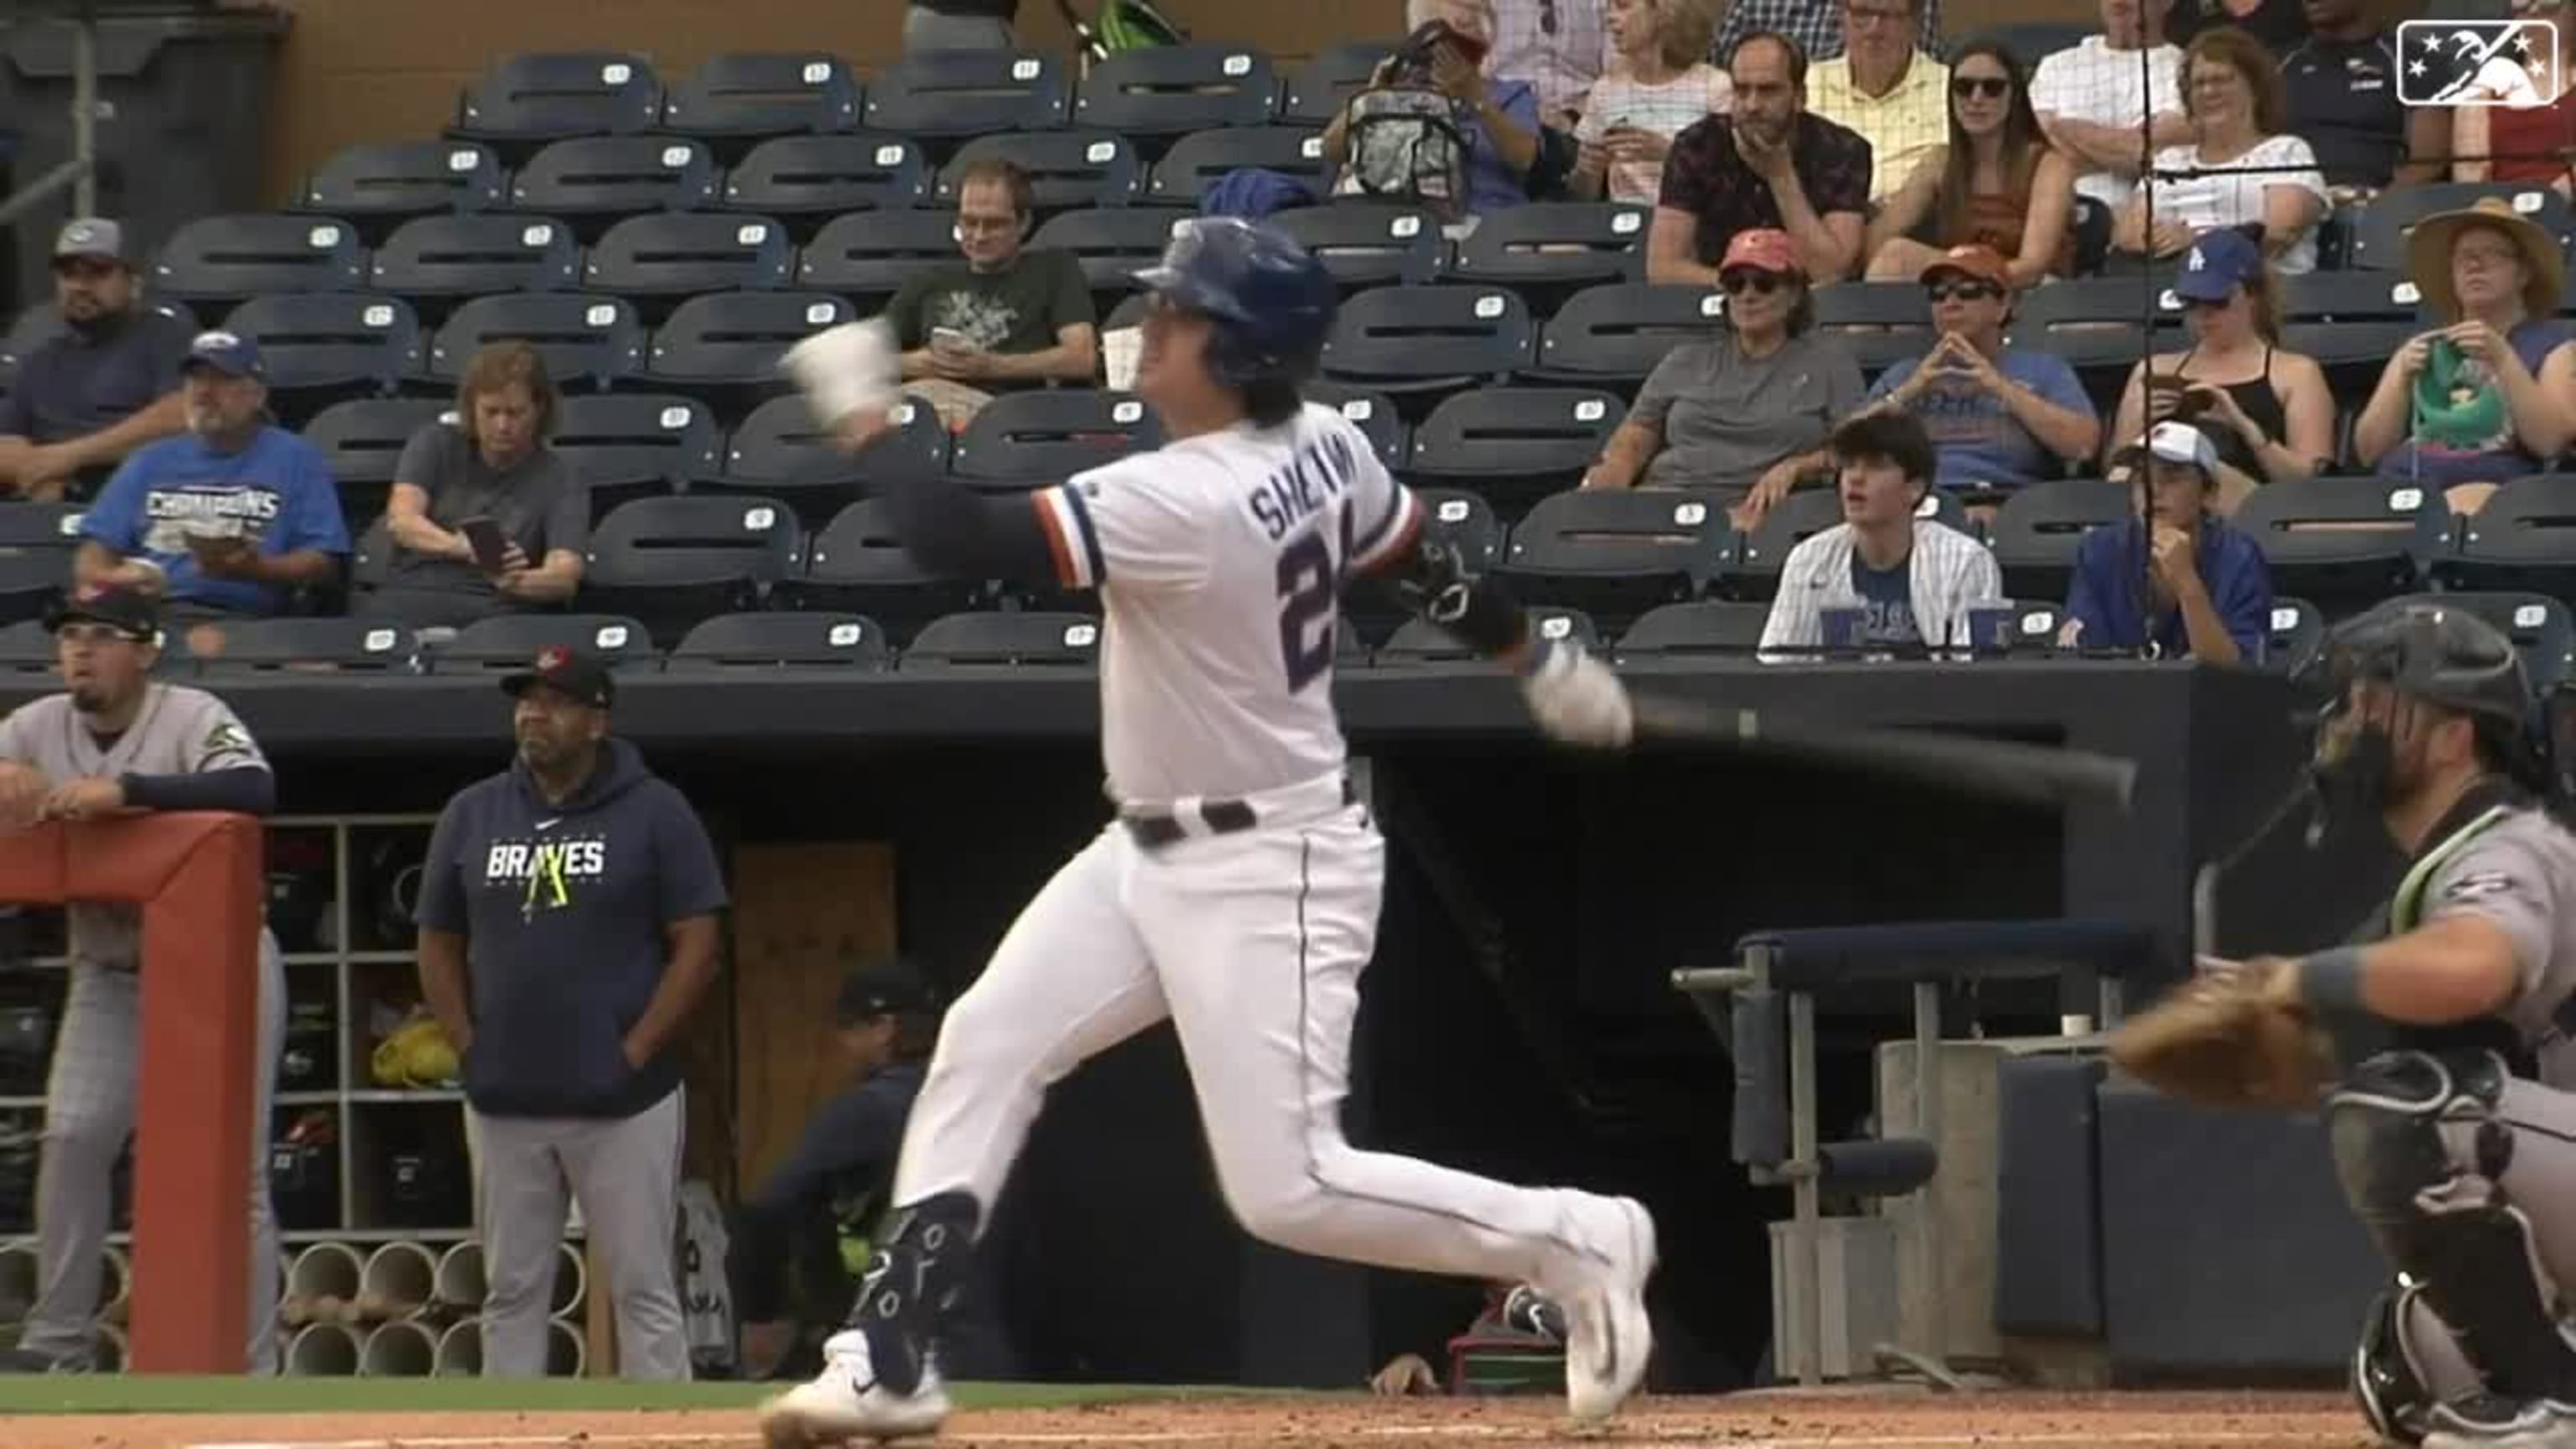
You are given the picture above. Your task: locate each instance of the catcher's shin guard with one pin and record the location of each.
(916, 1281)
(2407, 1361)
(2421, 1155)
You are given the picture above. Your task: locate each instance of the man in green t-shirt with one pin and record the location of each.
(1007, 318)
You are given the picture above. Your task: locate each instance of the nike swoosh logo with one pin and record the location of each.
(550, 824)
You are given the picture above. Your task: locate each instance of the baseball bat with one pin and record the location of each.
(1998, 769)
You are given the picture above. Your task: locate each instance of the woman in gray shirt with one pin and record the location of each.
(492, 464)
(1749, 410)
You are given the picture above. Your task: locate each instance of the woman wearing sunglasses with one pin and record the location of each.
(2249, 171)
(1750, 408)
(1998, 183)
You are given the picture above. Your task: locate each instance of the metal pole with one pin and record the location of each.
(1927, 1125)
(85, 113)
(1806, 1299)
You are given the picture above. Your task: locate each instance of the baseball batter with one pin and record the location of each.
(1237, 890)
(2454, 1117)
(113, 741)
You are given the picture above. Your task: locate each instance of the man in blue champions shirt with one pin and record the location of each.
(226, 519)
(2175, 579)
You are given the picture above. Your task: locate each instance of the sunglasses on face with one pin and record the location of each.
(1961, 291)
(1742, 281)
(1992, 87)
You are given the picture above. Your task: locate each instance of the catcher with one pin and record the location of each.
(2437, 1044)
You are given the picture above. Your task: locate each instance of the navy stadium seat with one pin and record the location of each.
(873, 253)
(474, 256)
(1420, 340)
(781, 452)
(1199, 159)
(2346, 543)
(2297, 634)
(361, 439)
(858, 563)
(1369, 243)
(2372, 296)
(2379, 234)
(2539, 625)
(2523, 539)
(735, 339)
(1514, 444)
(738, 643)
(1172, 90)
(1616, 554)
(1883, 323)
(2039, 528)
(1420, 642)
(633, 445)
(1372, 413)
(1020, 639)
(595, 177)
(673, 562)
(1112, 244)
(321, 346)
(949, 93)
(543, 96)
(1039, 438)
(1066, 169)
(301, 645)
(508, 642)
(1615, 335)
(584, 337)
(763, 93)
(1318, 90)
(390, 179)
(239, 256)
(1693, 630)
(679, 253)
(1557, 247)
(810, 176)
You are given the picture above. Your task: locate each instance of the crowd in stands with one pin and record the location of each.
(1779, 160)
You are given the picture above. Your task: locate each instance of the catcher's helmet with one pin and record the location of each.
(2435, 652)
(1271, 302)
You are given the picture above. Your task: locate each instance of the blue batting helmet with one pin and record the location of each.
(1271, 302)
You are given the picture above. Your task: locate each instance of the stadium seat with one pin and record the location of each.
(1374, 414)
(2523, 540)
(362, 439)
(1066, 169)
(1172, 90)
(1319, 89)
(1021, 639)
(1198, 160)
(29, 581)
(624, 446)
(476, 256)
(1039, 438)
(949, 93)
(736, 643)
(302, 645)
(1421, 642)
(735, 339)
(1425, 340)
(2039, 528)
(1112, 244)
(2539, 625)
(1615, 555)
(371, 550)
(545, 96)
(1755, 572)
(858, 563)
(2096, 321)
(2296, 635)
(871, 253)
(2346, 543)
(593, 178)
(1514, 444)
(679, 253)
(1557, 247)
(1883, 323)
(235, 257)
(2375, 296)
(27, 526)
(379, 181)
(1370, 244)
(1454, 516)
(2352, 353)
(28, 654)
(1613, 336)
(811, 176)
(763, 93)
(673, 562)
(1698, 629)
(2379, 234)
(323, 346)
(506, 642)
(585, 338)
(780, 451)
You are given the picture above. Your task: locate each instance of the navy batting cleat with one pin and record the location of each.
(1608, 1335)
(2491, 1421)
(846, 1402)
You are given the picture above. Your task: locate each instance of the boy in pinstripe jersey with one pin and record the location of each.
(1914, 577)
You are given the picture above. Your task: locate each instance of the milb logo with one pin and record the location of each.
(2476, 63)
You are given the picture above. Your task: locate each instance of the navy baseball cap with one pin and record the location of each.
(229, 353)
(882, 988)
(585, 679)
(2220, 260)
(127, 611)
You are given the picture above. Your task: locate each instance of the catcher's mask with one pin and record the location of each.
(2422, 654)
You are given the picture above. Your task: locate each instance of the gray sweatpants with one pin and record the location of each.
(927, 29)
(626, 1175)
(89, 1114)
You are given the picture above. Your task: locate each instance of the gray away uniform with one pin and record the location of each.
(90, 1096)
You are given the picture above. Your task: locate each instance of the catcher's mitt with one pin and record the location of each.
(2226, 1040)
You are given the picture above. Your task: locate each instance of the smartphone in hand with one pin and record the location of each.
(490, 547)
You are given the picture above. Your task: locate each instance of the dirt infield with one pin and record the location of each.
(1749, 1421)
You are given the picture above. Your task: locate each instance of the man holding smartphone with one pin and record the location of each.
(485, 518)
(1005, 318)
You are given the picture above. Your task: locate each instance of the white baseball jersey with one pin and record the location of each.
(1220, 561)
(179, 731)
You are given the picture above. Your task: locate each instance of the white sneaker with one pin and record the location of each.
(2490, 1421)
(1608, 1335)
(845, 1402)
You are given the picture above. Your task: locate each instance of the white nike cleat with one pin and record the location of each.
(845, 1403)
(1608, 1335)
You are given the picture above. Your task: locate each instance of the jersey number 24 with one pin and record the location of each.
(1309, 591)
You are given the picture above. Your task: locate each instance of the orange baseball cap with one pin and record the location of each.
(1764, 249)
(1983, 263)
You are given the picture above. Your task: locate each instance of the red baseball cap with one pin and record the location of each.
(1764, 249)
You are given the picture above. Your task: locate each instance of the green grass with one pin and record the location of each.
(152, 1394)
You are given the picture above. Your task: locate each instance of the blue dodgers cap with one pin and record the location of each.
(2220, 260)
(229, 353)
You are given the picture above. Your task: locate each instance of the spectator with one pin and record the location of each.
(2342, 90)
(821, 1202)
(492, 465)
(103, 387)
(2093, 100)
(1659, 85)
(1998, 183)
(567, 928)
(2279, 24)
(1005, 318)
(2268, 409)
(2262, 176)
(1892, 94)
(2175, 581)
(2511, 132)
(1500, 116)
(1770, 165)
(1914, 578)
(2491, 394)
(226, 520)
(959, 25)
(1814, 26)
(2000, 416)
(1748, 409)
(1560, 47)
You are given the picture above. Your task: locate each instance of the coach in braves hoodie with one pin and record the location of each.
(567, 928)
